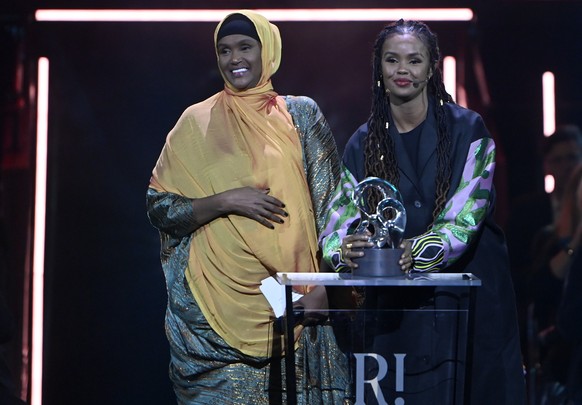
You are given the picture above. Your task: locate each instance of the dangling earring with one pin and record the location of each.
(378, 83)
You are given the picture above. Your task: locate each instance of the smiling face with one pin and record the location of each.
(239, 59)
(405, 60)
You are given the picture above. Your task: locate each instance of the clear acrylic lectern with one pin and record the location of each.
(407, 339)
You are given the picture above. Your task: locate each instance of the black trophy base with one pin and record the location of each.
(378, 263)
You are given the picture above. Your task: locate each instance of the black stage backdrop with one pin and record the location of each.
(116, 89)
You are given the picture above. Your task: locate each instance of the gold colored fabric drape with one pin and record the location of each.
(236, 139)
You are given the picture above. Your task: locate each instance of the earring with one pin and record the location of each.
(378, 83)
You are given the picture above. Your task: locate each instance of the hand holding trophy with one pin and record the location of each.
(384, 218)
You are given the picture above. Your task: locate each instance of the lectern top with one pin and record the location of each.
(409, 280)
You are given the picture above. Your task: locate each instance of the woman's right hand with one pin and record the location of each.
(357, 241)
(255, 204)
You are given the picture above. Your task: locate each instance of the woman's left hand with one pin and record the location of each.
(353, 247)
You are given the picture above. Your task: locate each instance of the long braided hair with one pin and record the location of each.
(380, 158)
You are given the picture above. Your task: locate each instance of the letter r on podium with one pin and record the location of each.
(382, 371)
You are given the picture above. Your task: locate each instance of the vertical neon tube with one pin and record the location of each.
(549, 106)
(39, 231)
(549, 183)
(450, 75)
(549, 103)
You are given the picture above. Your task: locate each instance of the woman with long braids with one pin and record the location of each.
(441, 158)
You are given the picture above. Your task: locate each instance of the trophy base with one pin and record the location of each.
(378, 263)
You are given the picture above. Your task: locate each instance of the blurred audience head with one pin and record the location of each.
(562, 152)
(571, 212)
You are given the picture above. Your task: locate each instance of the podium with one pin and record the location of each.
(407, 340)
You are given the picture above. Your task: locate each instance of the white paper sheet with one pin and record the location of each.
(275, 294)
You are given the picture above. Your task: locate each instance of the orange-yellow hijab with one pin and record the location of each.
(237, 139)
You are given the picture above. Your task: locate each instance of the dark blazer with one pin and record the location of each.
(497, 372)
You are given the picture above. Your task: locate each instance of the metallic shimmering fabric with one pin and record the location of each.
(204, 368)
(321, 165)
(207, 371)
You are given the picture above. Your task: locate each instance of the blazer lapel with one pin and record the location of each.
(427, 146)
(423, 182)
(404, 162)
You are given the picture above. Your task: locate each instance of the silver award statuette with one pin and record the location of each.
(386, 222)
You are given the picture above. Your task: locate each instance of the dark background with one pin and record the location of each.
(116, 90)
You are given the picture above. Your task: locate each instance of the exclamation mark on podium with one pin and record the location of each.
(399, 371)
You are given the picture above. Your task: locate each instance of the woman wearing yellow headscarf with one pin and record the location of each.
(238, 194)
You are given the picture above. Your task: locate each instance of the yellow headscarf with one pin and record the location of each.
(237, 139)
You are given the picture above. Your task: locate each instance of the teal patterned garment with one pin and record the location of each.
(320, 156)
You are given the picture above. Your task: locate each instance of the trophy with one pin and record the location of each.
(386, 222)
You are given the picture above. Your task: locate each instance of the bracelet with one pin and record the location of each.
(569, 251)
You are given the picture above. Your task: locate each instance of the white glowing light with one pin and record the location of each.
(462, 96)
(213, 15)
(450, 75)
(39, 231)
(549, 183)
(549, 103)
